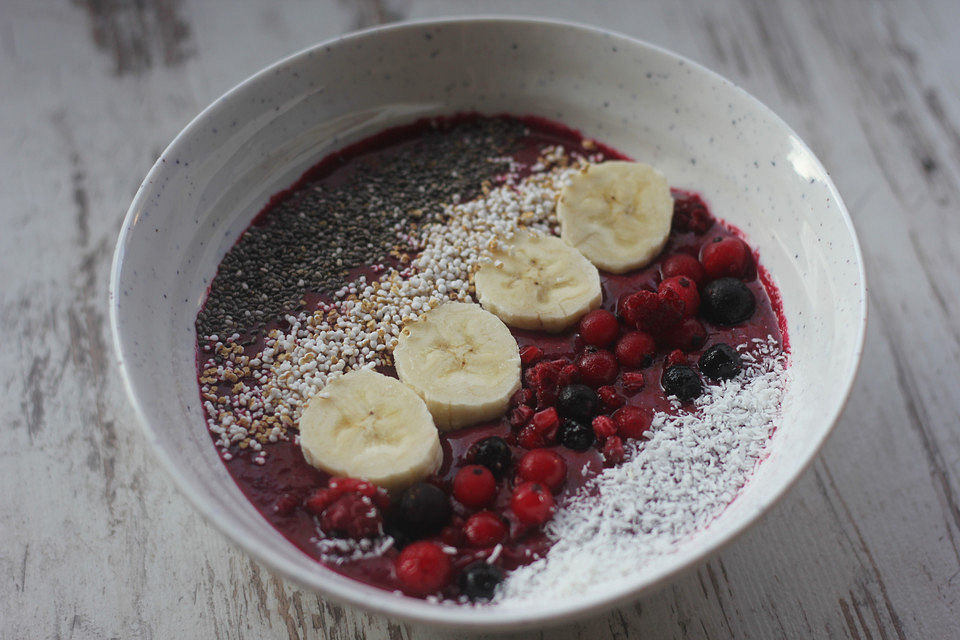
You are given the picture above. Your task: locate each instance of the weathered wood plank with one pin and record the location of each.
(97, 543)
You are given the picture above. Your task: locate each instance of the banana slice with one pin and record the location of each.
(617, 214)
(462, 361)
(370, 426)
(538, 281)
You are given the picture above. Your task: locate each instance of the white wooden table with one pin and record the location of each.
(96, 543)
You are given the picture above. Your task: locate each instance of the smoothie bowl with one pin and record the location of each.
(492, 345)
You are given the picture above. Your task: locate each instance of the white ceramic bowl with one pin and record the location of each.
(701, 130)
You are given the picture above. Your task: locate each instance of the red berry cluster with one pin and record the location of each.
(349, 508)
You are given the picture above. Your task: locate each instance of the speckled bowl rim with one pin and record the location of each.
(464, 618)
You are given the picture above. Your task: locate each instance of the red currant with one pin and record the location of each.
(632, 421)
(484, 529)
(682, 264)
(686, 288)
(635, 349)
(474, 486)
(532, 503)
(598, 368)
(423, 568)
(723, 257)
(599, 328)
(544, 466)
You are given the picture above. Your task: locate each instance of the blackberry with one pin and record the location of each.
(681, 381)
(720, 362)
(493, 453)
(727, 301)
(575, 435)
(577, 401)
(479, 580)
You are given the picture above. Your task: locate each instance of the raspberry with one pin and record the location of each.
(423, 568)
(545, 380)
(544, 466)
(598, 368)
(687, 336)
(632, 381)
(675, 357)
(530, 354)
(652, 312)
(285, 504)
(682, 264)
(520, 416)
(610, 398)
(542, 430)
(613, 451)
(474, 486)
(690, 213)
(632, 421)
(352, 516)
(338, 486)
(687, 290)
(604, 427)
(320, 500)
(635, 349)
(522, 396)
(484, 529)
(569, 374)
(599, 328)
(532, 503)
(725, 257)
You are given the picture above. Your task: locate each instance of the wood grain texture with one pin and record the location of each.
(96, 542)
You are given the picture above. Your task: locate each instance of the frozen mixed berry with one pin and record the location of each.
(688, 336)
(604, 427)
(520, 416)
(575, 435)
(423, 568)
(723, 257)
(522, 397)
(632, 421)
(599, 328)
(632, 381)
(610, 398)
(474, 486)
(545, 380)
(532, 503)
(613, 452)
(686, 288)
(541, 431)
(682, 264)
(652, 312)
(530, 354)
(569, 374)
(720, 362)
(635, 349)
(424, 510)
(478, 581)
(493, 452)
(727, 301)
(352, 516)
(598, 368)
(681, 381)
(690, 213)
(544, 466)
(577, 401)
(484, 529)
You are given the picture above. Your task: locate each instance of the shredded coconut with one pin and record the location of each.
(671, 486)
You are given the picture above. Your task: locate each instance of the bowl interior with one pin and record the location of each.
(701, 131)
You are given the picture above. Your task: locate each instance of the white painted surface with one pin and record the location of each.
(96, 543)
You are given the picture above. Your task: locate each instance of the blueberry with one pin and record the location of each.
(479, 580)
(720, 362)
(727, 301)
(424, 510)
(681, 381)
(575, 435)
(493, 453)
(577, 401)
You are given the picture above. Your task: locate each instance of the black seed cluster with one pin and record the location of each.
(314, 237)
